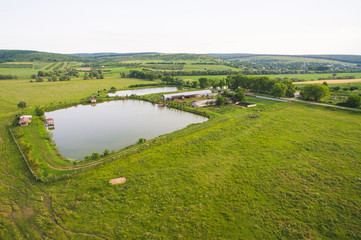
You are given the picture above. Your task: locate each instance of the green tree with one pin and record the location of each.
(221, 101)
(141, 140)
(204, 83)
(291, 89)
(106, 152)
(315, 92)
(279, 89)
(86, 76)
(22, 104)
(180, 82)
(222, 83)
(195, 84)
(41, 74)
(353, 101)
(95, 156)
(238, 95)
(39, 111)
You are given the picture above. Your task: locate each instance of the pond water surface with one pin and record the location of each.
(85, 129)
(143, 91)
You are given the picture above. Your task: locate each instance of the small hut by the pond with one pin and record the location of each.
(50, 123)
(25, 120)
(93, 100)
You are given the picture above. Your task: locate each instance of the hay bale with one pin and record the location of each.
(118, 180)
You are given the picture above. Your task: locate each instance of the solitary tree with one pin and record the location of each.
(22, 104)
(315, 92)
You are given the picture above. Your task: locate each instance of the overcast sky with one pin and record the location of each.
(187, 26)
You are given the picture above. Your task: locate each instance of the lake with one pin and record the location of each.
(143, 91)
(84, 129)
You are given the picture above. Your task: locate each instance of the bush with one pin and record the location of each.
(141, 140)
(238, 96)
(353, 101)
(39, 111)
(221, 101)
(22, 104)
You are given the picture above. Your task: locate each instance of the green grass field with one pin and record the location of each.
(314, 76)
(277, 171)
(288, 59)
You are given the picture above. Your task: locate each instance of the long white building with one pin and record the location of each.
(193, 94)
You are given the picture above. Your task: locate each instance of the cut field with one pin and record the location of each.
(287, 59)
(334, 81)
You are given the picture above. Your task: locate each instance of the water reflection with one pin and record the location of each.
(84, 129)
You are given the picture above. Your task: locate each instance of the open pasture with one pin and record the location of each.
(240, 178)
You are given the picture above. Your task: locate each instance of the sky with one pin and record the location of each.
(187, 26)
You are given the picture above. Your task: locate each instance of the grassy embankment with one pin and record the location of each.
(279, 171)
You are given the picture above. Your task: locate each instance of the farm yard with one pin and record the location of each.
(278, 170)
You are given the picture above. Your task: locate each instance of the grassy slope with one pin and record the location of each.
(244, 178)
(290, 173)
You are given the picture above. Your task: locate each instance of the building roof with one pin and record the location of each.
(186, 94)
(203, 103)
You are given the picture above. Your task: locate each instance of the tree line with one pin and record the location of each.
(8, 76)
(56, 75)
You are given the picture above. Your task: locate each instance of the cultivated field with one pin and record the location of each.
(331, 81)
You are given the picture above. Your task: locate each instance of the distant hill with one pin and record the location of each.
(107, 54)
(34, 56)
(147, 56)
(356, 59)
(341, 58)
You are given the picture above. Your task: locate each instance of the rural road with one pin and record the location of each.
(315, 103)
(322, 104)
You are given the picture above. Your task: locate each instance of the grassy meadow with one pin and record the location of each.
(277, 171)
(313, 76)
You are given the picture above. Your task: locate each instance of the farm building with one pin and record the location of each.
(193, 94)
(25, 120)
(93, 100)
(203, 103)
